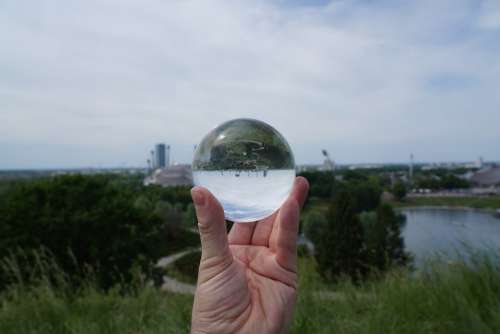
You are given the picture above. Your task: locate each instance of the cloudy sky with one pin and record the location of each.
(97, 83)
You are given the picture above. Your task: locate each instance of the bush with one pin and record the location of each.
(82, 221)
(314, 225)
(354, 245)
(321, 183)
(365, 194)
(384, 245)
(399, 191)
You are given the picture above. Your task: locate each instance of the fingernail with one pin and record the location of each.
(198, 198)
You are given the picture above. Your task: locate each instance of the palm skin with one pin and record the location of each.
(247, 279)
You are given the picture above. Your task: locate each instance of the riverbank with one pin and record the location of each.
(445, 207)
(480, 204)
(490, 203)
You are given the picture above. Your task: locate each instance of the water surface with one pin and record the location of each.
(449, 232)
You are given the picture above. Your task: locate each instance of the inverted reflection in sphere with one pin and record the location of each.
(248, 166)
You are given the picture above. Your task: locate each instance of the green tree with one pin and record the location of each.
(314, 225)
(321, 183)
(384, 244)
(393, 223)
(190, 221)
(83, 221)
(355, 175)
(367, 194)
(172, 217)
(399, 190)
(450, 181)
(339, 249)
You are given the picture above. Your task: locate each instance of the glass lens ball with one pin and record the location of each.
(248, 166)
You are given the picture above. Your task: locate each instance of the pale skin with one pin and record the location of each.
(247, 281)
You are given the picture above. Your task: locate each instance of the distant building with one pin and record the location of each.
(308, 168)
(171, 176)
(479, 163)
(487, 177)
(364, 166)
(161, 156)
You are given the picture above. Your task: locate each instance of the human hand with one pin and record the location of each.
(247, 280)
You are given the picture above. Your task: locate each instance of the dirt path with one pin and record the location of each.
(171, 284)
(166, 261)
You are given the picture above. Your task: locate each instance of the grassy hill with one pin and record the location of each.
(442, 299)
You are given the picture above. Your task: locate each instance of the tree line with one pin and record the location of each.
(357, 235)
(115, 227)
(102, 223)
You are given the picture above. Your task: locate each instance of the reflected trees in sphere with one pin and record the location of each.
(248, 166)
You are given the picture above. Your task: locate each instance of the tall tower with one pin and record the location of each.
(167, 156)
(411, 169)
(153, 160)
(480, 162)
(329, 163)
(160, 155)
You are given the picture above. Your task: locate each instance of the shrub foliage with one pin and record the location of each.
(90, 221)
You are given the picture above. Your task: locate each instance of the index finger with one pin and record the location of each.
(262, 233)
(300, 190)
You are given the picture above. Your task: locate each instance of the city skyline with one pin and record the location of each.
(96, 84)
(151, 155)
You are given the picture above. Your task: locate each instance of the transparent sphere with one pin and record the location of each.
(248, 166)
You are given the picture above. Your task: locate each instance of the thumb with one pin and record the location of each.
(211, 224)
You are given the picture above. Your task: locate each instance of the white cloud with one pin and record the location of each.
(99, 82)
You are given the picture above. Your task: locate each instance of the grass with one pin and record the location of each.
(442, 299)
(46, 301)
(492, 202)
(451, 299)
(44, 310)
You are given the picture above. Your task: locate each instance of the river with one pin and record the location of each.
(449, 232)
